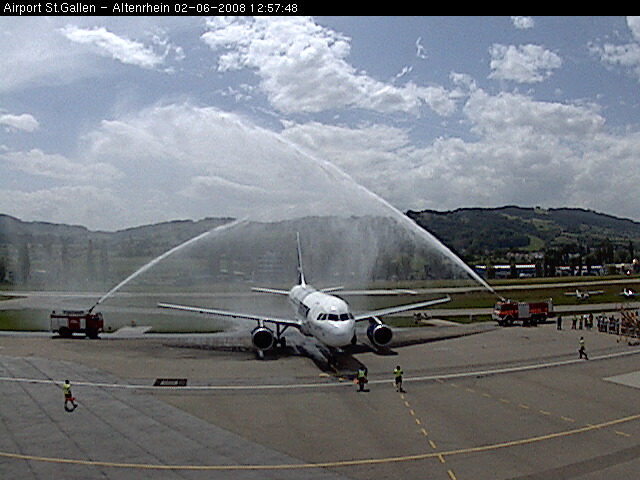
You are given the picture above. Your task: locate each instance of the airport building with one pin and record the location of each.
(529, 270)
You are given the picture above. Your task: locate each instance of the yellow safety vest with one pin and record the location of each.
(66, 388)
(397, 372)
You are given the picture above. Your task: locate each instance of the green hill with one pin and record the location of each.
(480, 233)
(74, 256)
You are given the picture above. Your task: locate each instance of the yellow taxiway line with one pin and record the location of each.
(339, 463)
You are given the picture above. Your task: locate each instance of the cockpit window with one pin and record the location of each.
(335, 317)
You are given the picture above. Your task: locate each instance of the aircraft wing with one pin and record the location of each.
(393, 291)
(226, 313)
(596, 292)
(399, 308)
(331, 289)
(269, 290)
(286, 292)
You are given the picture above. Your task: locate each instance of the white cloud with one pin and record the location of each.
(212, 163)
(522, 23)
(178, 160)
(420, 50)
(303, 67)
(522, 64)
(53, 166)
(626, 55)
(364, 152)
(376, 156)
(502, 114)
(111, 45)
(606, 174)
(206, 162)
(34, 53)
(524, 147)
(405, 71)
(23, 122)
(634, 25)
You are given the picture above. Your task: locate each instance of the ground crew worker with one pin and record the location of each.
(362, 379)
(68, 397)
(397, 372)
(583, 351)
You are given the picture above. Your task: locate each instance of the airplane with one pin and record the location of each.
(628, 293)
(583, 295)
(319, 314)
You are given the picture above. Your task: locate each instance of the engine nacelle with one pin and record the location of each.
(262, 338)
(379, 334)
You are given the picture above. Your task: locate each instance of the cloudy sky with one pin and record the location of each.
(113, 122)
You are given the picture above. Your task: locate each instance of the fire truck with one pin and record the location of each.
(507, 312)
(68, 322)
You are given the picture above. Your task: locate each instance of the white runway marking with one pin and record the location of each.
(629, 379)
(429, 378)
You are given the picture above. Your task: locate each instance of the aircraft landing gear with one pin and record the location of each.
(332, 360)
(280, 340)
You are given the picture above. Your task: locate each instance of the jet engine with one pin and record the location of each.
(379, 334)
(262, 338)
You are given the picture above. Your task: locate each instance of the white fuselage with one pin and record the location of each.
(323, 316)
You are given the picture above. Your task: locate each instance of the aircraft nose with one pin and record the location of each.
(343, 332)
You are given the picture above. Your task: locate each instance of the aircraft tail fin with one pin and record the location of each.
(301, 280)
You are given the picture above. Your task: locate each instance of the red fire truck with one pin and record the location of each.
(507, 312)
(68, 322)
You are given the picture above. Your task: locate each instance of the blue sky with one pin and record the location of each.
(113, 122)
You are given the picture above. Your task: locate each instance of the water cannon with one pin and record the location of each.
(94, 306)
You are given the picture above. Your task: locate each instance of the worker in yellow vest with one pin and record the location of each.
(583, 350)
(68, 397)
(397, 373)
(362, 379)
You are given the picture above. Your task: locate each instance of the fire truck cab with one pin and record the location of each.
(508, 312)
(68, 322)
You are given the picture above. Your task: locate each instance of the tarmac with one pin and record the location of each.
(481, 402)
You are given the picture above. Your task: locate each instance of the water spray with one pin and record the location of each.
(337, 172)
(168, 253)
(326, 190)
